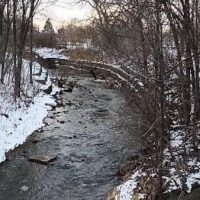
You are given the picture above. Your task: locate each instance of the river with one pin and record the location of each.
(91, 137)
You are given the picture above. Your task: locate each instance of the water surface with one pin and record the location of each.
(90, 137)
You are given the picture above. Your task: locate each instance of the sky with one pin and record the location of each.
(61, 12)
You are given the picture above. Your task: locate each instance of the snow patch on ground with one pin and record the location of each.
(182, 165)
(45, 52)
(21, 123)
(126, 189)
(182, 157)
(20, 119)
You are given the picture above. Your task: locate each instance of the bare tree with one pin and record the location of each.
(140, 33)
(27, 9)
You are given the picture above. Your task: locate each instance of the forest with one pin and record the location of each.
(149, 50)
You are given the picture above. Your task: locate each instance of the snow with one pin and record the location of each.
(87, 44)
(45, 52)
(182, 167)
(191, 179)
(26, 114)
(126, 189)
(21, 123)
(99, 81)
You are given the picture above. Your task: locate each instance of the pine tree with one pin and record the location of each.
(48, 27)
(49, 35)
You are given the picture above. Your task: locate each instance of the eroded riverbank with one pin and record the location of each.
(88, 135)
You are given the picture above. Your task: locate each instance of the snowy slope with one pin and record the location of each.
(20, 119)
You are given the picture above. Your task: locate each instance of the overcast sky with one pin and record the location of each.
(61, 12)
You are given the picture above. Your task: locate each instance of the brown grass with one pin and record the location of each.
(83, 54)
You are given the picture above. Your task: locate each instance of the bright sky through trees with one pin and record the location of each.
(61, 11)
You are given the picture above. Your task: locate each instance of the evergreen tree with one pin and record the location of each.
(48, 27)
(48, 35)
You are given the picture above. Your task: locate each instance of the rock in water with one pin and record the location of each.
(69, 89)
(5, 115)
(93, 74)
(48, 90)
(61, 82)
(53, 106)
(43, 159)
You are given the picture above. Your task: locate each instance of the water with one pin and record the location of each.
(90, 137)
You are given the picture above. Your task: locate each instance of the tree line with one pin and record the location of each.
(16, 24)
(157, 42)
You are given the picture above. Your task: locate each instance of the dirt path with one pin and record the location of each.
(90, 143)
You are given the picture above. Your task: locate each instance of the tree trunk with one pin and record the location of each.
(16, 89)
(31, 51)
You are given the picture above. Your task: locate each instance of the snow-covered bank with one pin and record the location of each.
(45, 52)
(181, 162)
(22, 122)
(181, 165)
(20, 119)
